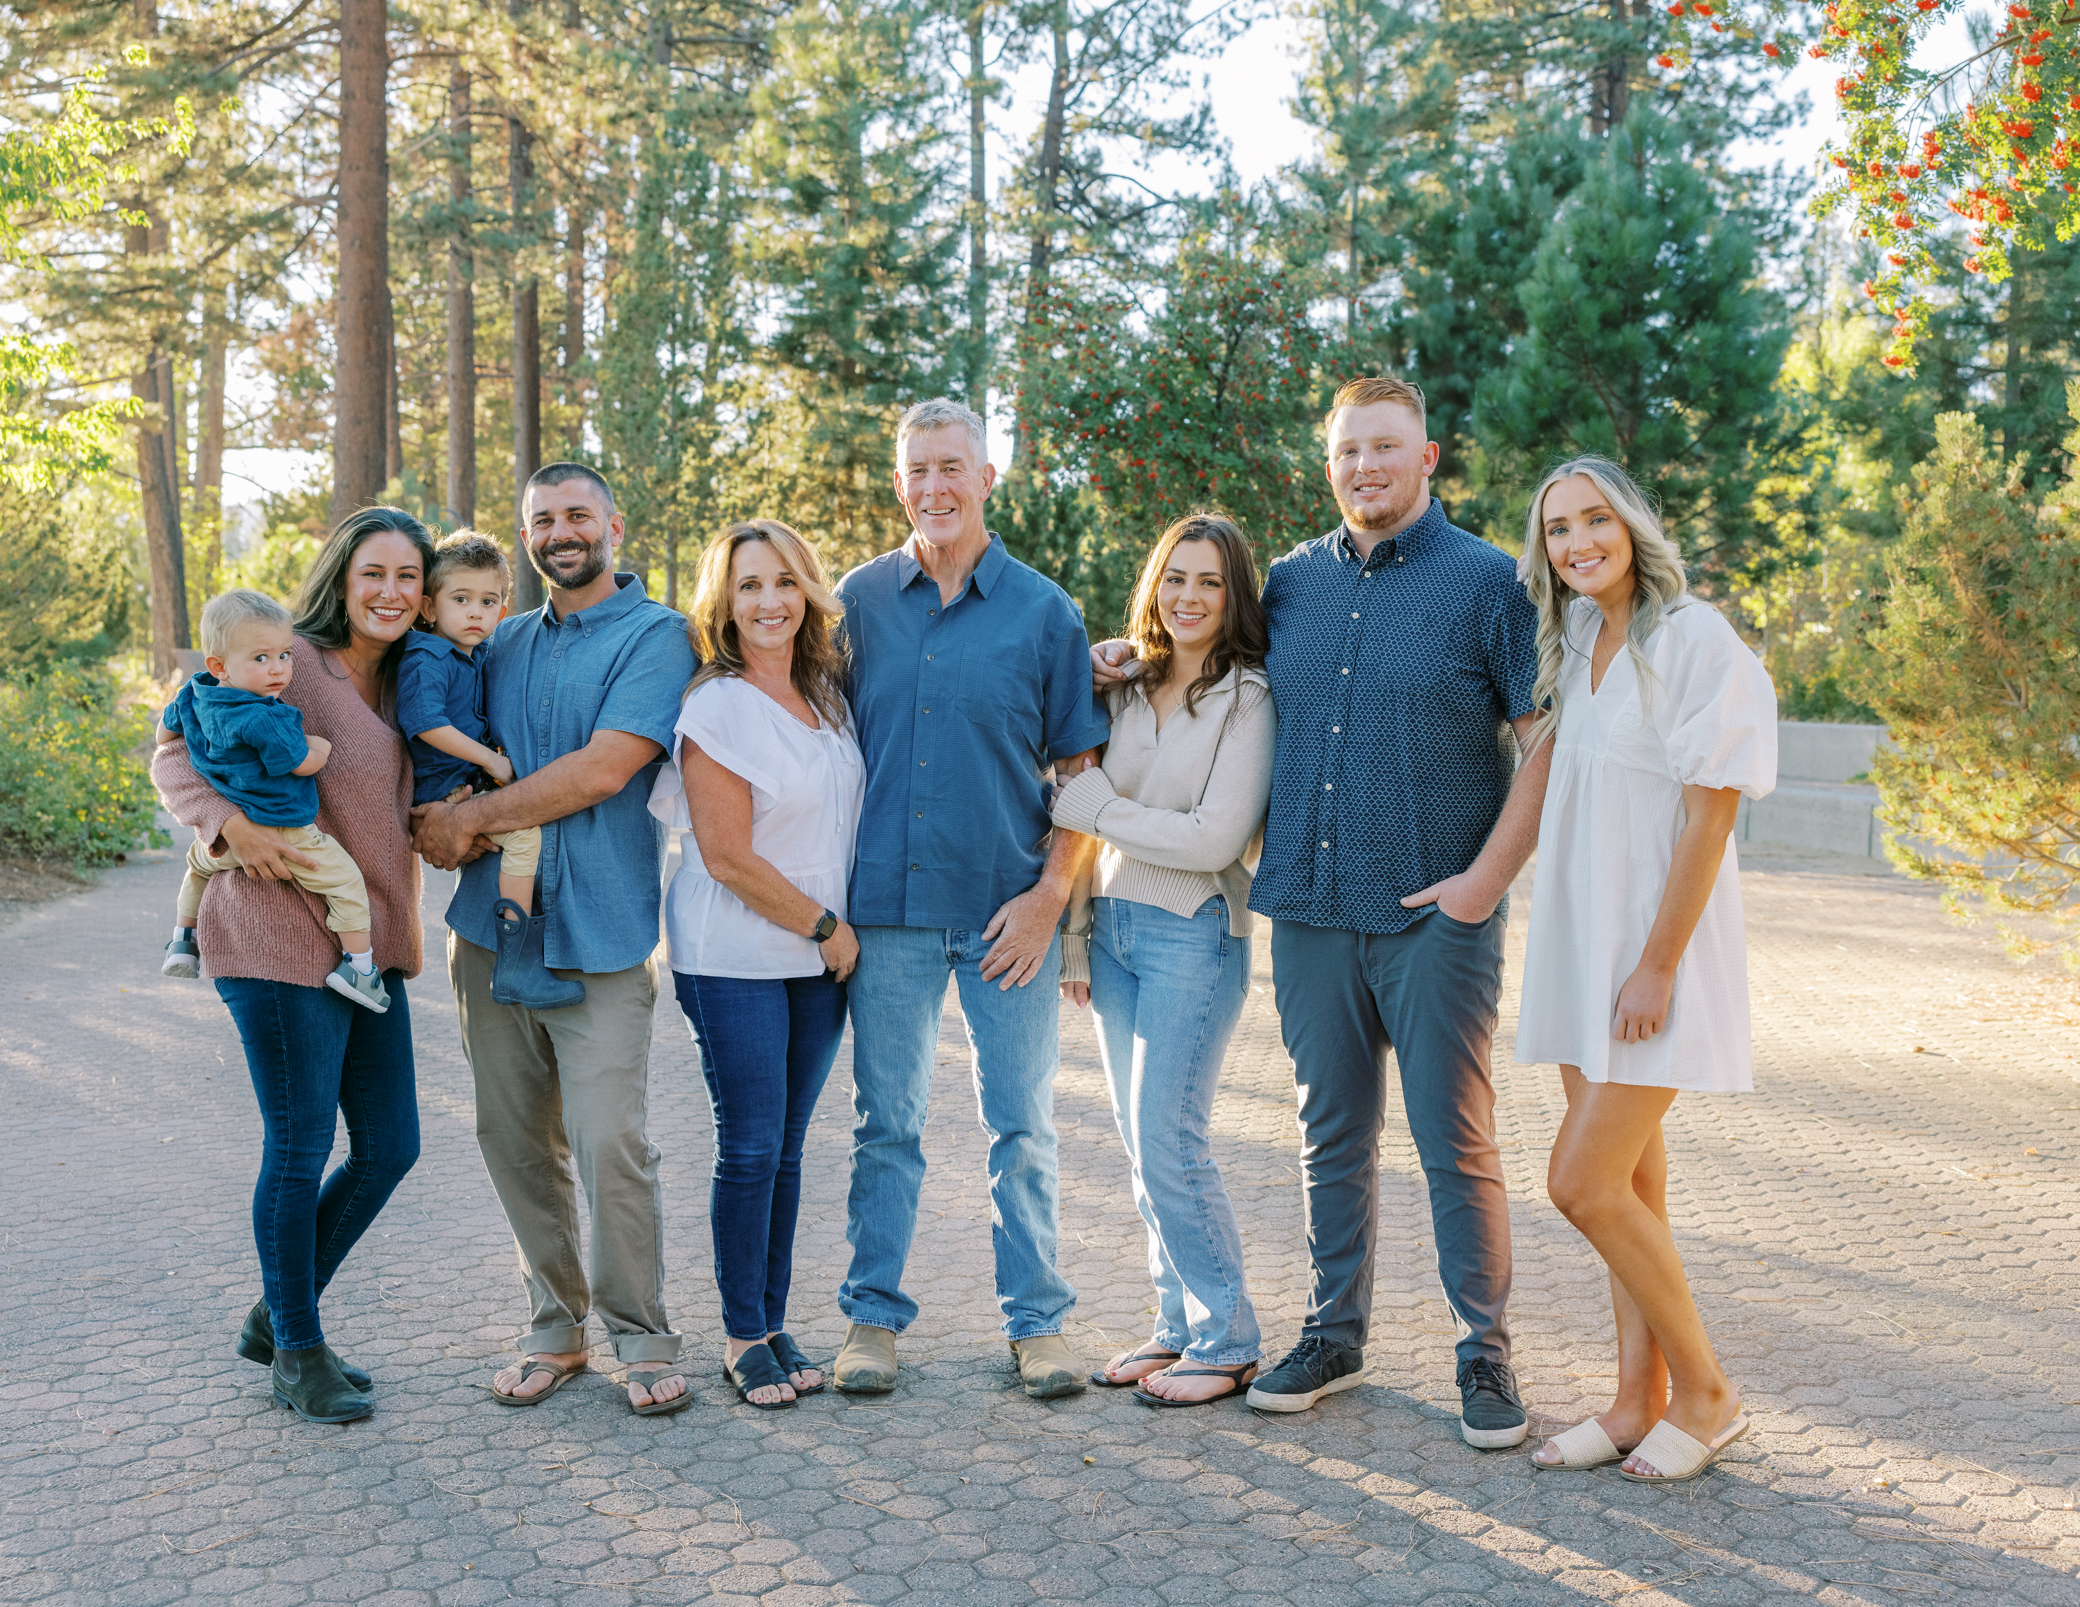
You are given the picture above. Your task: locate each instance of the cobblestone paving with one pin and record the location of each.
(1883, 1240)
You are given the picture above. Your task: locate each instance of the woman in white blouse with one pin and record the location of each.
(1161, 953)
(1636, 974)
(766, 779)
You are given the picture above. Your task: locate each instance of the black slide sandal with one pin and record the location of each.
(1238, 1383)
(789, 1355)
(1140, 1352)
(757, 1369)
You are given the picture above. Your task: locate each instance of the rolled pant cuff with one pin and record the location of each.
(1037, 1333)
(1229, 1358)
(566, 1340)
(636, 1349)
(867, 1317)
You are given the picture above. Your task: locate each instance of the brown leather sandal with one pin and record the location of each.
(533, 1366)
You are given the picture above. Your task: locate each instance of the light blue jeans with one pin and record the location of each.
(1167, 993)
(896, 996)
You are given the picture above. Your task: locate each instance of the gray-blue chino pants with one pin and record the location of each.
(1430, 994)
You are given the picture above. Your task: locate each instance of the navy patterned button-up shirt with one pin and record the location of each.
(1393, 676)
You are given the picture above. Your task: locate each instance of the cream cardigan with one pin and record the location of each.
(1180, 811)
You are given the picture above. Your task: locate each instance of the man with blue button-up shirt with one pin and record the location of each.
(970, 682)
(581, 695)
(1403, 653)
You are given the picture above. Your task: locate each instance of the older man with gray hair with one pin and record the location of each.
(970, 682)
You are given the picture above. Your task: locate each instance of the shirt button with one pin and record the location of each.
(920, 814)
(1346, 669)
(921, 764)
(928, 711)
(1337, 729)
(928, 658)
(1328, 786)
(1354, 613)
(1325, 843)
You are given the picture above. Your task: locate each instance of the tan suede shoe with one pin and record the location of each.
(1048, 1366)
(866, 1363)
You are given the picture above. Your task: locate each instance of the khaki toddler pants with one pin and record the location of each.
(335, 877)
(520, 851)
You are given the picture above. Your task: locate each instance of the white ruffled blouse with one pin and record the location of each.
(806, 787)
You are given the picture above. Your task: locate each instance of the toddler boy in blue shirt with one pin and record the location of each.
(251, 749)
(440, 708)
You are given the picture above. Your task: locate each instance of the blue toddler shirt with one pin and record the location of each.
(245, 746)
(438, 684)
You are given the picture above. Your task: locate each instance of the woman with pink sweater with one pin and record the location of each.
(315, 1056)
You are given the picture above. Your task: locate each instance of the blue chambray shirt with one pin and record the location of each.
(961, 709)
(1393, 677)
(620, 665)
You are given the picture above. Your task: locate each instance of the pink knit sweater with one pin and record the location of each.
(275, 931)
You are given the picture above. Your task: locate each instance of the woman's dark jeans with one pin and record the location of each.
(766, 1048)
(315, 1056)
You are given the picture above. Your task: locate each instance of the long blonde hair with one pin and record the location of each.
(1658, 581)
(818, 667)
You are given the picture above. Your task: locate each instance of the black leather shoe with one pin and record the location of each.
(308, 1382)
(256, 1343)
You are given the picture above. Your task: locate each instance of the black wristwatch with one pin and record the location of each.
(825, 927)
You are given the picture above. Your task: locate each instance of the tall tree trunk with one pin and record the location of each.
(1613, 89)
(209, 454)
(2014, 325)
(573, 344)
(1047, 182)
(159, 488)
(361, 392)
(462, 309)
(393, 423)
(527, 366)
(978, 217)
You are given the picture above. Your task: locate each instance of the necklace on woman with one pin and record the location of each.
(366, 686)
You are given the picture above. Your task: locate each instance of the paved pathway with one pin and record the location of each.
(1883, 1238)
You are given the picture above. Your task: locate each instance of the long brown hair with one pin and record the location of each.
(818, 666)
(320, 605)
(1244, 637)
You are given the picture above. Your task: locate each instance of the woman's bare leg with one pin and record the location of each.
(1595, 1179)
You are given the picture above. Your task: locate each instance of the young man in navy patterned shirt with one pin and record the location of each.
(1401, 647)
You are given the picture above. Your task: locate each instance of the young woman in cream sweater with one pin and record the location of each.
(1158, 941)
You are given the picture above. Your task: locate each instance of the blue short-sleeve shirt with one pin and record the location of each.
(245, 746)
(1393, 676)
(961, 710)
(439, 684)
(620, 665)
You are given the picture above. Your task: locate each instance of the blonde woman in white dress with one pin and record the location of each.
(1636, 975)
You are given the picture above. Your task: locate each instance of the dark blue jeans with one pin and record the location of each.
(766, 1048)
(314, 1057)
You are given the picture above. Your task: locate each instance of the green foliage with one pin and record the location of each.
(1648, 339)
(64, 594)
(1212, 404)
(1976, 669)
(71, 782)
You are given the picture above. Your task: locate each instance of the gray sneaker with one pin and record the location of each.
(364, 988)
(183, 958)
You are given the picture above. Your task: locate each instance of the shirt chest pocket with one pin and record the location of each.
(577, 710)
(1000, 689)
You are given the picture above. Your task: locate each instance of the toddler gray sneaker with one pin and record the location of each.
(365, 988)
(183, 958)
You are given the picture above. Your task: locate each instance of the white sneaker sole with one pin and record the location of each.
(1300, 1403)
(1495, 1439)
(347, 990)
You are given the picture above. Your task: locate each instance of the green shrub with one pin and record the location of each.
(71, 783)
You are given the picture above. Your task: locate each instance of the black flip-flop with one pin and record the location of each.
(1105, 1380)
(1238, 1382)
(757, 1368)
(789, 1355)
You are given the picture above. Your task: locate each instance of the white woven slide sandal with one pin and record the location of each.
(1676, 1456)
(1583, 1446)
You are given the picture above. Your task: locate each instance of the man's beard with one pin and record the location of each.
(1380, 518)
(595, 565)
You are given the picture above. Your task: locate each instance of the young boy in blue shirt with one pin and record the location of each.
(251, 749)
(440, 707)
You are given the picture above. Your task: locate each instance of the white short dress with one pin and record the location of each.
(806, 788)
(1613, 811)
